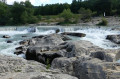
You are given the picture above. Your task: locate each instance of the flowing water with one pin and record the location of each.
(95, 35)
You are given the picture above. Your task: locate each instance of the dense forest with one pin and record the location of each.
(26, 13)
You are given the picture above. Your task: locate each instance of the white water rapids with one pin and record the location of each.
(95, 35)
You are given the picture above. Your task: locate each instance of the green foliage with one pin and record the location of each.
(75, 6)
(23, 13)
(51, 9)
(104, 22)
(3, 13)
(48, 63)
(24, 17)
(39, 17)
(67, 15)
(33, 19)
(86, 14)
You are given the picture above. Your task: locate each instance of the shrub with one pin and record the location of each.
(48, 63)
(39, 17)
(86, 14)
(33, 19)
(104, 22)
(67, 15)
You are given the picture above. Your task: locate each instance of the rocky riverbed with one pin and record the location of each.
(58, 56)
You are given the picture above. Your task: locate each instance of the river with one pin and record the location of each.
(96, 35)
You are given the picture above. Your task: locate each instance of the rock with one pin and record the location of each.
(114, 38)
(24, 42)
(116, 28)
(19, 68)
(66, 38)
(41, 75)
(24, 36)
(81, 59)
(17, 65)
(9, 41)
(6, 36)
(32, 29)
(38, 36)
(53, 39)
(32, 42)
(19, 48)
(42, 55)
(88, 68)
(77, 48)
(65, 65)
(57, 31)
(47, 47)
(117, 57)
(74, 34)
(102, 55)
(18, 52)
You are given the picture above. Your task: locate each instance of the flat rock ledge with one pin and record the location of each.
(55, 56)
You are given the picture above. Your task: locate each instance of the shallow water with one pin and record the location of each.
(95, 35)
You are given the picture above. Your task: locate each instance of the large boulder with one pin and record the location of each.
(19, 68)
(114, 38)
(46, 48)
(53, 39)
(102, 55)
(89, 68)
(86, 48)
(42, 54)
(64, 64)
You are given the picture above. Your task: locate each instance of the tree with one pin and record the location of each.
(3, 13)
(102, 6)
(23, 13)
(16, 12)
(85, 13)
(75, 6)
(67, 15)
(24, 17)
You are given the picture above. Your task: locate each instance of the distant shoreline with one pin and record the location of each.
(112, 21)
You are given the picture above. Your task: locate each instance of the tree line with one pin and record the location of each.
(26, 13)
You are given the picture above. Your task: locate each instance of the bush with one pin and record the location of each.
(39, 17)
(86, 14)
(67, 15)
(104, 22)
(48, 64)
(33, 19)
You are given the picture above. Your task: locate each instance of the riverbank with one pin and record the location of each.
(112, 21)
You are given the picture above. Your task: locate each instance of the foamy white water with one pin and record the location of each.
(95, 35)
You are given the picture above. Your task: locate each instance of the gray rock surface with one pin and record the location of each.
(19, 68)
(114, 38)
(65, 65)
(87, 68)
(81, 59)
